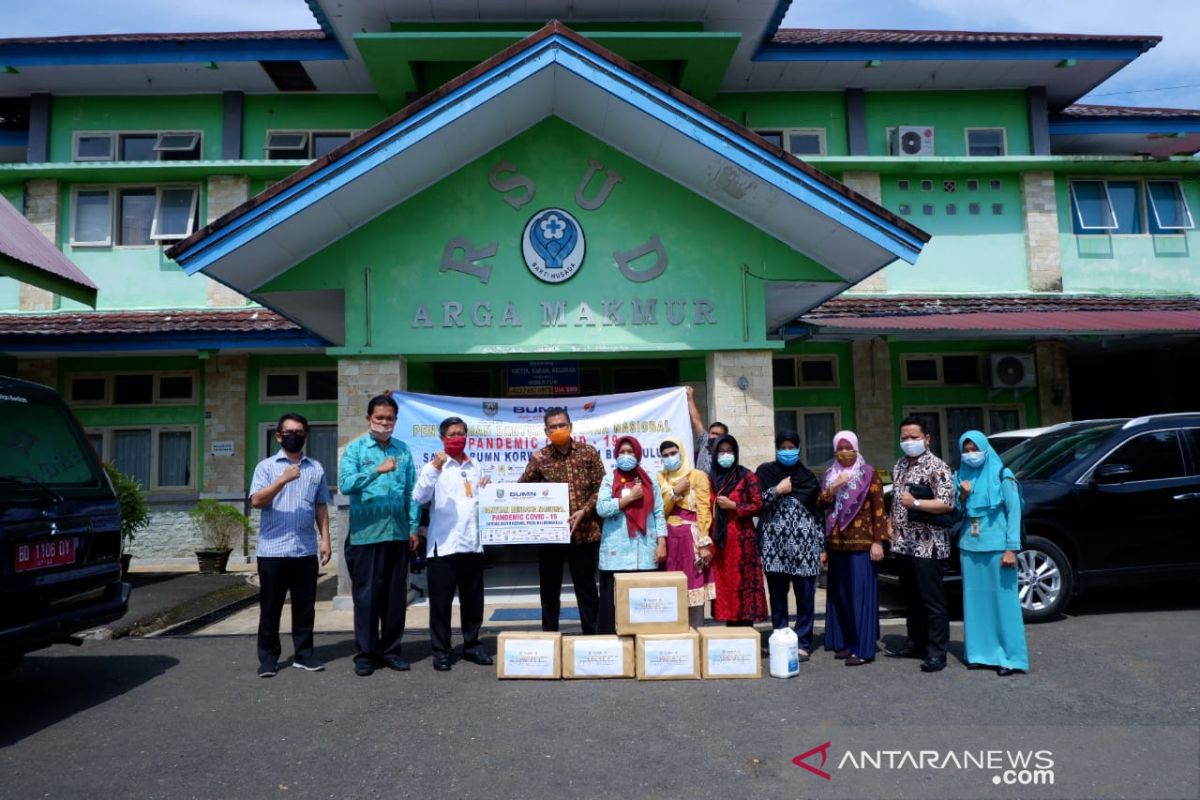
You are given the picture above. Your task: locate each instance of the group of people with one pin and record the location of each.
(745, 540)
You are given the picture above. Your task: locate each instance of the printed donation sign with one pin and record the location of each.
(524, 513)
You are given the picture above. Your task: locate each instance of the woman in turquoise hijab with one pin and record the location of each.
(988, 545)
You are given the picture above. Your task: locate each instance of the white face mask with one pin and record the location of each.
(382, 432)
(912, 447)
(974, 459)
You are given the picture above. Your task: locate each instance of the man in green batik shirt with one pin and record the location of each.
(377, 474)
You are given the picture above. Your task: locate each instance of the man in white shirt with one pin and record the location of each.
(452, 481)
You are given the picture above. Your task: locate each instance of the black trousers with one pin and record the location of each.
(606, 616)
(379, 580)
(925, 605)
(581, 559)
(277, 576)
(445, 574)
(805, 589)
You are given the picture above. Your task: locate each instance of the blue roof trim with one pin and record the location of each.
(561, 50)
(1125, 125)
(150, 342)
(59, 54)
(950, 51)
(14, 138)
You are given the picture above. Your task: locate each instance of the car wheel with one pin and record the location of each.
(1044, 579)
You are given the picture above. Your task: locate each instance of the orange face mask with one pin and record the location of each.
(560, 436)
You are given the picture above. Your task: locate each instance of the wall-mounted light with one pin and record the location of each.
(874, 63)
(211, 65)
(1065, 63)
(10, 70)
(743, 383)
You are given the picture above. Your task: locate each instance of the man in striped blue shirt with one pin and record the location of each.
(291, 490)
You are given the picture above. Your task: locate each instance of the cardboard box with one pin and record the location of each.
(536, 656)
(730, 653)
(668, 656)
(651, 602)
(597, 657)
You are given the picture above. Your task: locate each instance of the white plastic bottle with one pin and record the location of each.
(784, 648)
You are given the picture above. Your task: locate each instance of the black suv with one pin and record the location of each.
(1107, 502)
(60, 526)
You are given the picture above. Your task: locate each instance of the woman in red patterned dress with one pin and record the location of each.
(737, 565)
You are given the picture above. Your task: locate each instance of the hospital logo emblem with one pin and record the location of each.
(553, 245)
(491, 408)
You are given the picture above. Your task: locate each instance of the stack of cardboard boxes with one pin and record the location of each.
(653, 641)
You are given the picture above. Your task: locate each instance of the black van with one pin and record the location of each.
(60, 526)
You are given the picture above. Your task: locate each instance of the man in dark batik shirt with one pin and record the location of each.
(578, 465)
(918, 546)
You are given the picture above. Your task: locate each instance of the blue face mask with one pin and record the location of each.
(672, 463)
(725, 460)
(787, 457)
(626, 463)
(975, 459)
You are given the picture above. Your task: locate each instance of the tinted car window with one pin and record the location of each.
(1042, 456)
(38, 442)
(1151, 456)
(1192, 437)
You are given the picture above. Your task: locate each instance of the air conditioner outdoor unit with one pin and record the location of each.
(912, 140)
(1013, 371)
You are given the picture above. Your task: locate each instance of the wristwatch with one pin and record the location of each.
(916, 503)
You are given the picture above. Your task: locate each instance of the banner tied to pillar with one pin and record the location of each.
(503, 432)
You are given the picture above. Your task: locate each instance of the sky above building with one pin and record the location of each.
(1164, 77)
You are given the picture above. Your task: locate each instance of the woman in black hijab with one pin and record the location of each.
(737, 568)
(793, 536)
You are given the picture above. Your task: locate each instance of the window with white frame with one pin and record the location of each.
(945, 424)
(130, 216)
(161, 457)
(301, 385)
(805, 372)
(1129, 207)
(132, 389)
(941, 369)
(797, 141)
(321, 446)
(303, 144)
(986, 142)
(815, 426)
(136, 146)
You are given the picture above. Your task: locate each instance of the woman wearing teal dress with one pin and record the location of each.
(991, 536)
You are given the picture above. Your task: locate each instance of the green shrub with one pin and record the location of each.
(135, 513)
(219, 525)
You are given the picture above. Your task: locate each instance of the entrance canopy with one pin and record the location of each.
(553, 73)
(29, 257)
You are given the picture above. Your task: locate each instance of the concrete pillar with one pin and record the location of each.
(225, 193)
(359, 379)
(749, 412)
(868, 185)
(874, 420)
(1053, 381)
(42, 209)
(225, 420)
(38, 370)
(1042, 249)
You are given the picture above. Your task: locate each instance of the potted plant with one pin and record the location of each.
(218, 525)
(135, 513)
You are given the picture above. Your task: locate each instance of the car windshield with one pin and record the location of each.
(41, 449)
(1042, 456)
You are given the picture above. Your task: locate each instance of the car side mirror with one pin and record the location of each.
(1112, 473)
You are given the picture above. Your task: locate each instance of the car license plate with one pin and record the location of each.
(49, 553)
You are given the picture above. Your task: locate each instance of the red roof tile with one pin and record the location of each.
(1085, 111)
(107, 323)
(811, 36)
(220, 36)
(1065, 314)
